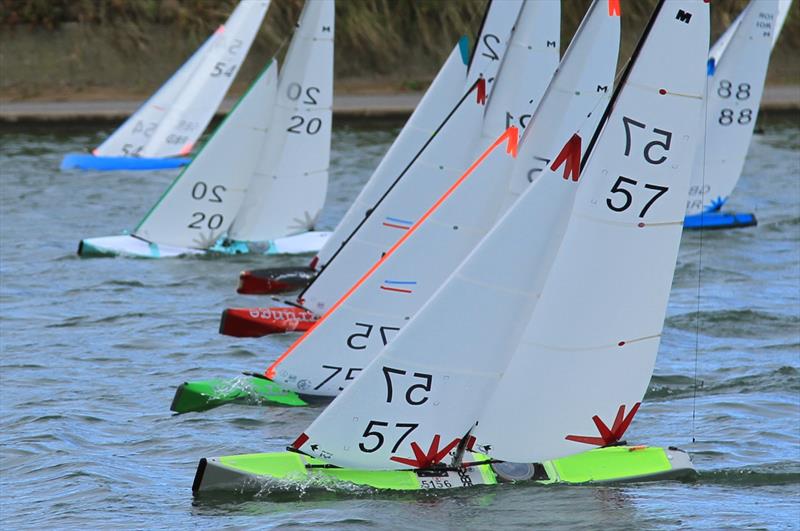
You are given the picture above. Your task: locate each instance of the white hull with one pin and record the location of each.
(130, 246)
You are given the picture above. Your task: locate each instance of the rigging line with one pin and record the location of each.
(391, 187)
(699, 263)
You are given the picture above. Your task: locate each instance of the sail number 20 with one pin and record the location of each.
(201, 191)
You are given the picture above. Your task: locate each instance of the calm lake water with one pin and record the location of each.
(92, 350)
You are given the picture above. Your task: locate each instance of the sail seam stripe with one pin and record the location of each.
(588, 348)
(496, 287)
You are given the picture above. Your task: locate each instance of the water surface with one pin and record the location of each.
(92, 350)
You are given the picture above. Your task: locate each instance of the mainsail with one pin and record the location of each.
(172, 120)
(575, 312)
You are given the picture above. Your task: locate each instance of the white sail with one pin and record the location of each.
(718, 49)
(288, 187)
(734, 97)
(201, 203)
(443, 94)
(130, 137)
(597, 294)
(346, 340)
(190, 113)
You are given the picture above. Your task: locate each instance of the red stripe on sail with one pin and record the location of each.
(297, 444)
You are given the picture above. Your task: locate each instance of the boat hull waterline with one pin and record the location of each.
(251, 388)
(259, 322)
(127, 245)
(85, 161)
(254, 473)
(719, 220)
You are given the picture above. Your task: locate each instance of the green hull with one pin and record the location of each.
(287, 470)
(208, 394)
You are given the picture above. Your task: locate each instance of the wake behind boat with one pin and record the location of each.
(259, 183)
(163, 131)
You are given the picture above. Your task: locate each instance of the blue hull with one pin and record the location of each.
(718, 220)
(85, 161)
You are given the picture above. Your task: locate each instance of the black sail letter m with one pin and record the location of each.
(683, 16)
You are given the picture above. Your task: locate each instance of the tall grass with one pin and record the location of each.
(377, 41)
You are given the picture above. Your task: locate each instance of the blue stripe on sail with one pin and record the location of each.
(398, 220)
(463, 46)
(399, 282)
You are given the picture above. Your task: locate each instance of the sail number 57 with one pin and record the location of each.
(649, 156)
(416, 389)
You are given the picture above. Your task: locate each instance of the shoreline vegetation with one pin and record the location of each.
(101, 50)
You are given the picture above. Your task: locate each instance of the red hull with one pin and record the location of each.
(258, 322)
(274, 280)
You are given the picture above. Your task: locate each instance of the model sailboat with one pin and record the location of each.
(259, 183)
(168, 125)
(579, 306)
(737, 69)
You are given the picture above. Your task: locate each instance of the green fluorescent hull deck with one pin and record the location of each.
(208, 394)
(252, 473)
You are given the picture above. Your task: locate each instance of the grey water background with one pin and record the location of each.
(92, 350)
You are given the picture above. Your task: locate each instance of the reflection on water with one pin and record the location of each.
(92, 351)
